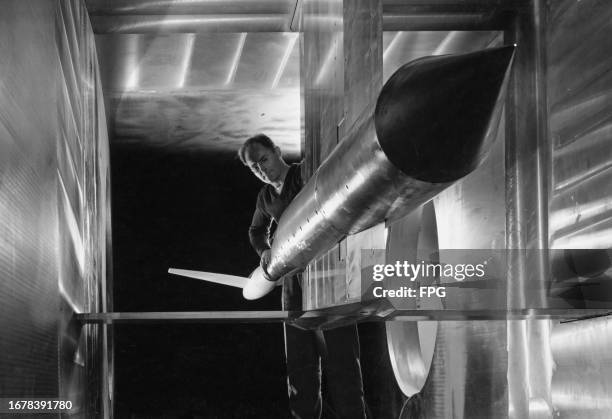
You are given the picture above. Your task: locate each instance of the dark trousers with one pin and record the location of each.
(337, 351)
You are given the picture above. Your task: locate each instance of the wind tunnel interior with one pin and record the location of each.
(166, 91)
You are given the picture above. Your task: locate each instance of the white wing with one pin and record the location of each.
(231, 280)
(253, 287)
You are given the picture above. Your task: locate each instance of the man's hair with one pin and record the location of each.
(261, 139)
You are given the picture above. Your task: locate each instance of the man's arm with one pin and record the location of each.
(259, 231)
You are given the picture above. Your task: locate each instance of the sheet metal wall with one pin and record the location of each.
(341, 64)
(579, 90)
(341, 67)
(54, 200)
(29, 298)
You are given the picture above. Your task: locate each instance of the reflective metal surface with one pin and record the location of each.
(468, 15)
(182, 7)
(582, 379)
(402, 47)
(84, 208)
(29, 295)
(191, 24)
(444, 22)
(243, 316)
(579, 88)
(54, 201)
(209, 91)
(485, 208)
(357, 186)
(323, 80)
(175, 16)
(202, 91)
(152, 16)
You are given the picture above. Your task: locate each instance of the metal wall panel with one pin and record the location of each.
(582, 381)
(54, 201)
(29, 298)
(322, 65)
(322, 85)
(579, 87)
(342, 76)
(83, 179)
(579, 93)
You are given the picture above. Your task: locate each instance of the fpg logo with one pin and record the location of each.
(430, 291)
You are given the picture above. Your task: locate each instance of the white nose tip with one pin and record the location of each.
(257, 286)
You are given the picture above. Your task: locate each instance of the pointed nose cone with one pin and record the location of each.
(434, 116)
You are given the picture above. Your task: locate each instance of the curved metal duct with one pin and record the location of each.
(434, 122)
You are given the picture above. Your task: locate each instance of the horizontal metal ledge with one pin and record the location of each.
(186, 317)
(477, 315)
(306, 318)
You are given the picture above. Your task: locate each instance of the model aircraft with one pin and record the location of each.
(434, 122)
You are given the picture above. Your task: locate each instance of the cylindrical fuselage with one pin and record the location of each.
(381, 168)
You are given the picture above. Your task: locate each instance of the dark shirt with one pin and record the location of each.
(271, 205)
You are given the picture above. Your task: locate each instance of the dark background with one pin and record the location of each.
(189, 210)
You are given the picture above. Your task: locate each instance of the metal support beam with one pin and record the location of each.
(187, 317)
(321, 317)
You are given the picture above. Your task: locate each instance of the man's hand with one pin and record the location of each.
(266, 255)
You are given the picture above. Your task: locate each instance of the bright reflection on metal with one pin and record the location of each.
(73, 170)
(76, 308)
(539, 408)
(186, 59)
(444, 44)
(143, 6)
(541, 375)
(517, 393)
(353, 184)
(211, 21)
(591, 172)
(285, 59)
(586, 342)
(236, 60)
(392, 45)
(568, 216)
(588, 240)
(329, 58)
(73, 226)
(567, 398)
(582, 381)
(133, 70)
(157, 24)
(184, 7)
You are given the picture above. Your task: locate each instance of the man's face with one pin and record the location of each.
(265, 163)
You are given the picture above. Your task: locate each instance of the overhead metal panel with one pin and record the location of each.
(206, 92)
(172, 16)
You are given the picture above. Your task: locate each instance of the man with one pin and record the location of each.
(337, 348)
